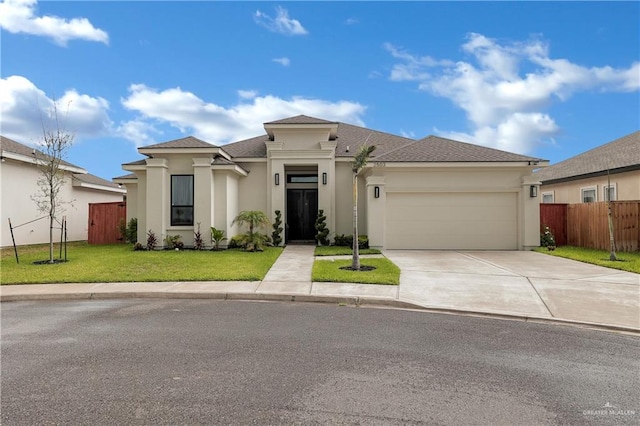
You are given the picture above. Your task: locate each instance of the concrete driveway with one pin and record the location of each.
(518, 282)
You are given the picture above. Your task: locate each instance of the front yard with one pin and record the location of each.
(119, 263)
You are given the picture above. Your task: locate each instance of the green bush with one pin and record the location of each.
(321, 229)
(546, 238)
(236, 242)
(132, 231)
(173, 242)
(276, 235)
(347, 241)
(129, 232)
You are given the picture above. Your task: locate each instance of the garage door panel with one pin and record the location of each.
(451, 221)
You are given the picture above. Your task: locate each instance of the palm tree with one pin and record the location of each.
(359, 161)
(253, 241)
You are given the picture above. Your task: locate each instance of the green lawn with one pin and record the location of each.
(119, 263)
(628, 261)
(386, 272)
(339, 251)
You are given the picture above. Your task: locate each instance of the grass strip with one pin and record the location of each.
(386, 272)
(341, 251)
(627, 261)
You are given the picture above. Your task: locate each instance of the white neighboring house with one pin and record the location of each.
(18, 177)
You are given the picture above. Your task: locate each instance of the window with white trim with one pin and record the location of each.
(181, 200)
(589, 195)
(609, 192)
(547, 197)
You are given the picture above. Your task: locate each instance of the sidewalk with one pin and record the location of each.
(487, 284)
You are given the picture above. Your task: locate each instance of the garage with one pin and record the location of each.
(463, 221)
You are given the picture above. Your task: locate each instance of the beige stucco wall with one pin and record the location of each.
(627, 188)
(253, 188)
(19, 184)
(458, 179)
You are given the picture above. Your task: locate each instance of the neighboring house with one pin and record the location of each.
(610, 170)
(19, 175)
(432, 193)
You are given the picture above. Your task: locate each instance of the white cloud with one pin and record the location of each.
(281, 23)
(247, 94)
(351, 21)
(139, 131)
(219, 125)
(285, 62)
(25, 109)
(18, 16)
(504, 104)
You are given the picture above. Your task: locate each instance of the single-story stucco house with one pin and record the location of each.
(432, 193)
(609, 170)
(19, 177)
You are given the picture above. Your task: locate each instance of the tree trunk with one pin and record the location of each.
(355, 263)
(612, 242)
(50, 238)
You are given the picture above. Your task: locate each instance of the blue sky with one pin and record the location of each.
(550, 79)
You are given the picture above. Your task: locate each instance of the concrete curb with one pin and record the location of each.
(358, 301)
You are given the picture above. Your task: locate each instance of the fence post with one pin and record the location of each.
(13, 240)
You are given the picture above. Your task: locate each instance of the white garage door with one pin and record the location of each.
(451, 221)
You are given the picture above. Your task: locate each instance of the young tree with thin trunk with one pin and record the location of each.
(359, 161)
(53, 148)
(612, 242)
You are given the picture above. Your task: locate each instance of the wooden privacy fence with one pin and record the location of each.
(104, 221)
(587, 225)
(555, 217)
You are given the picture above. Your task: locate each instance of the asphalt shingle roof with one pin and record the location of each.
(188, 142)
(620, 153)
(127, 176)
(389, 147)
(301, 119)
(436, 149)
(9, 145)
(94, 180)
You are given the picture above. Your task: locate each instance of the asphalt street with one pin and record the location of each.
(231, 362)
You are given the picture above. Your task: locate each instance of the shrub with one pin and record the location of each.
(547, 239)
(236, 242)
(122, 228)
(152, 240)
(321, 229)
(347, 241)
(217, 236)
(132, 231)
(254, 219)
(173, 242)
(198, 242)
(138, 247)
(276, 235)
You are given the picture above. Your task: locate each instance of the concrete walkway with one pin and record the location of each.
(511, 284)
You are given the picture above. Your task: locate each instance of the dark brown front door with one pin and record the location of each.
(302, 211)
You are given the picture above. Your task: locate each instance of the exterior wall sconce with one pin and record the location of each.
(277, 178)
(533, 191)
(324, 178)
(376, 192)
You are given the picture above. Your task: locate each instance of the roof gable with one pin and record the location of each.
(618, 154)
(301, 119)
(187, 142)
